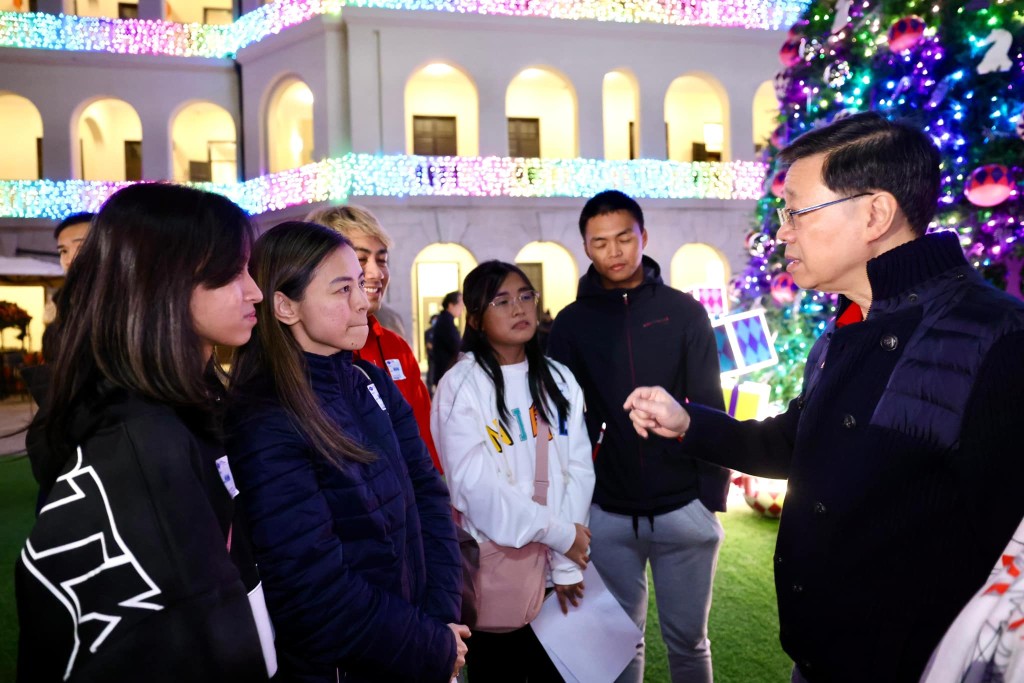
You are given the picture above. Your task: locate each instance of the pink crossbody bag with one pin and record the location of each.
(504, 587)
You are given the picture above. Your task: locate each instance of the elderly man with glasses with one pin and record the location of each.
(903, 450)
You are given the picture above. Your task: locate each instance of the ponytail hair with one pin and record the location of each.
(285, 259)
(482, 285)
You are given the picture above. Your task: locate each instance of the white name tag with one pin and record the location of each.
(224, 470)
(395, 368)
(376, 396)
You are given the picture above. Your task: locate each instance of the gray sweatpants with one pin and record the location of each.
(683, 551)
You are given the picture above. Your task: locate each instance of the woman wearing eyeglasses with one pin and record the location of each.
(486, 417)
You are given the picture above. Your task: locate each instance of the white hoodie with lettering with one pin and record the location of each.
(489, 465)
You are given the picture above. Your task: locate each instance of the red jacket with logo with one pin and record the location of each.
(383, 345)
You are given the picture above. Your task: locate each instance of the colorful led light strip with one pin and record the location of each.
(409, 176)
(140, 36)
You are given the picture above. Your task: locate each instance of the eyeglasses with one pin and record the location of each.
(786, 215)
(504, 302)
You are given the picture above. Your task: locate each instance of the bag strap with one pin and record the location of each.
(540, 470)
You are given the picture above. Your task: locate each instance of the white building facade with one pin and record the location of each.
(471, 135)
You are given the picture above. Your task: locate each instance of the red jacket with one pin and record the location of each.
(384, 345)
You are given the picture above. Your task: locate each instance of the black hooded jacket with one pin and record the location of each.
(127, 574)
(614, 340)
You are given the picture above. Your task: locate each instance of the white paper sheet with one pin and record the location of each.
(595, 641)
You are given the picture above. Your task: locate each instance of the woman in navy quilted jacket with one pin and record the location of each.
(349, 519)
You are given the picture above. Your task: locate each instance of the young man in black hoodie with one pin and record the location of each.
(626, 328)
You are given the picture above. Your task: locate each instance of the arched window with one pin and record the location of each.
(621, 106)
(437, 270)
(442, 113)
(22, 156)
(109, 141)
(766, 114)
(696, 120)
(203, 144)
(541, 109)
(289, 126)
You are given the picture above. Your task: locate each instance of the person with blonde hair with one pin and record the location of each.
(384, 348)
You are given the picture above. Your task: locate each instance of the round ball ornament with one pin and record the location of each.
(989, 185)
(789, 54)
(779, 184)
(906, 33)
(758, 243)
(779, 137)
(782, 85)
(784, 290)
(765, 496)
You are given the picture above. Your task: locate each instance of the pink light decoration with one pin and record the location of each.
(356, 175)
(139, 36)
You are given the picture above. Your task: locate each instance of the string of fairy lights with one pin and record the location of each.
(366, 175)
(140, 36)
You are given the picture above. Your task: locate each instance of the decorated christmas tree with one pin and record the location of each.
(954, 68)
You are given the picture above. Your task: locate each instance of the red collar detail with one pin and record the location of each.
(851, 315)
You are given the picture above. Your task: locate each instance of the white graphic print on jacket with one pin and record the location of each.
(113, 580)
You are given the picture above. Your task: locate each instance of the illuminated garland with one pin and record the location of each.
(401, 176)
(140, 36)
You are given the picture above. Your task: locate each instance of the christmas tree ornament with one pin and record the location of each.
(765, 496)
(791, 51)
(779, 184)
(758, 244)
(842, 15)
(906, 33)
(784, 289)
(989, 185)
(997, 58)
(782, 83)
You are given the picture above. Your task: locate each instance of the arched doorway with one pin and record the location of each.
(553, 271)
(22, 155)
(289, 126)
(621, 107)
(696, 120)
(437, 270)
(203, 144)
(766, 114)
(199, 11)
(109, 141)
(703, 271)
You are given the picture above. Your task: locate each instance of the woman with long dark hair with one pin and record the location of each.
(350, 521)
(128, 573)
(487, 414)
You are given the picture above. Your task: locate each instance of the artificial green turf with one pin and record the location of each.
(743, 628)
(17, 502)
(744, 624)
